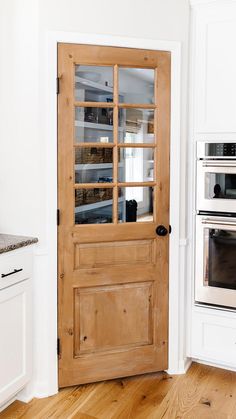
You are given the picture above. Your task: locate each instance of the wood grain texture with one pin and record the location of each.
(203, 393)
(111, 317)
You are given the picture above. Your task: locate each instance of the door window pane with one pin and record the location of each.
(136, 125)
(220, 186)
(93, 83)
(93, 165)
(135, 204)
(221, 261)
(93, 206)
(93, 125)
(136, 164)
(136, 85)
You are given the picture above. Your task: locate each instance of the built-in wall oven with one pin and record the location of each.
(215, 267)
(215, 280)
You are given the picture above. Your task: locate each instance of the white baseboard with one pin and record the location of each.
(5, 405)
(38, 390)
(43, 395)
(25, 398)
(214, 364)
(184, 365)
(44, 389)
(27, 392)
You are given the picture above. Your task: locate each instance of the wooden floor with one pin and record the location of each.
(204, 392)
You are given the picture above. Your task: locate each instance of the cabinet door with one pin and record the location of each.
(15, 333)
(214, 68)
(213, 337)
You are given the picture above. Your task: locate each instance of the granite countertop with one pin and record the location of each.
(9, 242)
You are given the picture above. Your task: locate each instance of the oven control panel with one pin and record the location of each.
(220, 149)
(207, 150)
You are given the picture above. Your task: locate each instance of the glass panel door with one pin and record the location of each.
(113, 192)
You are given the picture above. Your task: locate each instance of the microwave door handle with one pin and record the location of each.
(206, 260)
(214, 163)
(219, 222)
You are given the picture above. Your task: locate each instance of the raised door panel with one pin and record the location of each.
(112, 317)
(214, 68)
(109, 253)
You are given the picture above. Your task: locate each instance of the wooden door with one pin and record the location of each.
(113, 192)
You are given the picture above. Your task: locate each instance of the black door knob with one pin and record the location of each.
(161, 231)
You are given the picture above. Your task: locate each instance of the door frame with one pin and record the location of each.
(177, 359)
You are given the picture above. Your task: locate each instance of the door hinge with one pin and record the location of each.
(58, 347)
(58, 85)
(58, 217)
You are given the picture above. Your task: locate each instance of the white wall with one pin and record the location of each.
(20, 146)
(23, 183)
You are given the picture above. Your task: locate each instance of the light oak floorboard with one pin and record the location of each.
(203, 393)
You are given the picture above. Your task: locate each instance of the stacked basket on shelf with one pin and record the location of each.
(93, 156)
(90, 196)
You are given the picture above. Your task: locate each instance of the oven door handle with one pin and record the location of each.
(219, 222)
(213, 163)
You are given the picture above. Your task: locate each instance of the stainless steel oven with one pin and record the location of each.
(216, 177)
(215, 267)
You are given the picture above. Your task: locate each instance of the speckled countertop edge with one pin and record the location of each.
(8, 242)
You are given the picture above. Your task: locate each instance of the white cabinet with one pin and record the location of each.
(214, 68)
(15, 323)
(213, 337)
(211, 332)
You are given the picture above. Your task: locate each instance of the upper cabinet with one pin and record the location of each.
(214, 68)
